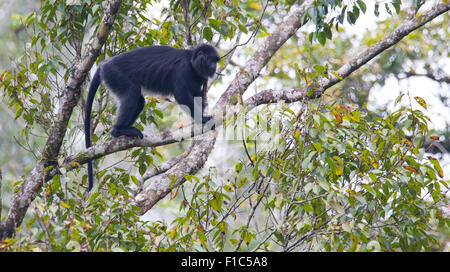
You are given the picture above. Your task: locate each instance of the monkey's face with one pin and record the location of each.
(204, 61)
(212, 65)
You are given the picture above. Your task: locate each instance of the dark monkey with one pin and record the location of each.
(159, 70)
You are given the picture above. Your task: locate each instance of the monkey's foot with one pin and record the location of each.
(206, 119)
(129, 131)
(207, 125)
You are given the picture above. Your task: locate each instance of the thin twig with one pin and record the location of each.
(253, 35)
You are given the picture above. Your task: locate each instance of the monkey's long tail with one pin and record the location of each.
(87, 121)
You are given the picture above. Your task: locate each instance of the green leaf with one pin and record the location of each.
(351, 18)
(376, 9)
(321, 37)
(396, 4)
(242, 28)
(437, 166)
(317, 146)
(327, 31)
(311, 36)
(279, 236)
(362, 6)
(312, 13)
(319, 68)
(202, 238)
(216, 202)
(238, 167)
(207, 33)
(355, 12)
(158, 113)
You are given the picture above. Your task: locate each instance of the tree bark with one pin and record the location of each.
(69, 100)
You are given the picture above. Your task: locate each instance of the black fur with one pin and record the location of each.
(160, 70)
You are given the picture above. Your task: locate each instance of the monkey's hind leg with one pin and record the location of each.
(131, 105)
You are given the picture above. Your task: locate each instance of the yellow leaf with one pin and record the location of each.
(406, 141)
(410, 168)
(350, 192)
(200, 228)
(2, 76)
(173, 232)
(337, 116)
(64, 204)
(174, 194)
(308, 81)
(339, 171)
(256, 6)
(152, 99)
(345, 107)
(297, 134)
(421, 101)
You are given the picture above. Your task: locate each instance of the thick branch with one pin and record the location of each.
(264, 97)
(405, 28)
(440, 79)
(264, 53)
(40, 173)
(163, 167)
(203, 146)
(174, 177)
(399, 33)
(161, 188)
(124, 143)
(243, 79)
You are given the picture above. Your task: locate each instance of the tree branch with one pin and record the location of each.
(261, 57)
(71, 95)
(440, 79)
(405, 28)
(174, 177)
(164, 167)
(242, 79)
(399, 33)
(160, 187)
(187, 21)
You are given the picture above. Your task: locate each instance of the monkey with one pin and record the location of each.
(160, 70)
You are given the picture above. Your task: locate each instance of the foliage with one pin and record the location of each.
(312, 175)
(337, 181)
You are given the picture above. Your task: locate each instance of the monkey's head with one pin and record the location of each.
(204, 60)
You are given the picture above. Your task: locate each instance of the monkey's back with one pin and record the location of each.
(155, 68)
